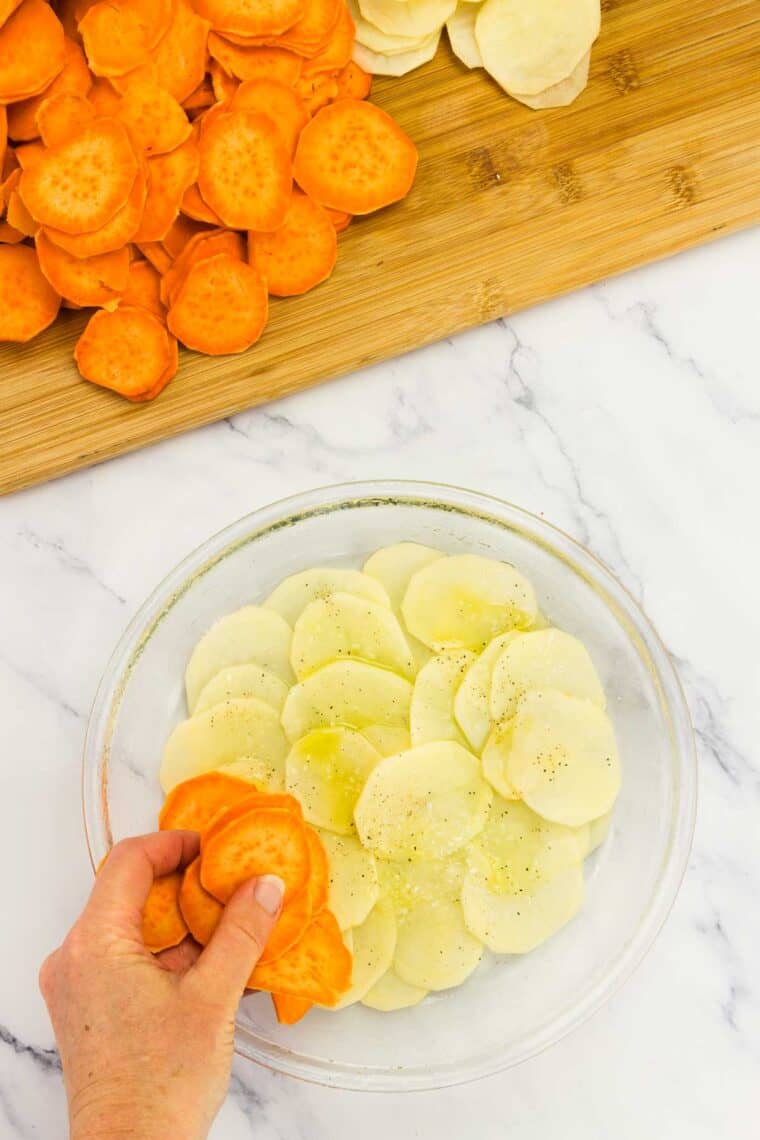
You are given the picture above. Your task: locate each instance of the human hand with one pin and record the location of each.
(146, 1041)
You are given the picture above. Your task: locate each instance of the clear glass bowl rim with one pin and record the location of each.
(506, 515)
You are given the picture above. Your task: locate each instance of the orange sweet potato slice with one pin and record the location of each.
(290, 926)
(154, 16)
(80, 184)
(127, 350)
(74, 79)
(195, 207)
(277, 101)
(7, 8)
(168, 374)
(264, 841)
(289, 1009)
(115, 40)
(192, 804)
(245, 171)
(105, 98)
(222, 84)
(317, 89)
(319, 876)
(337, 53)
(17, 215)
(9, 185)
(317, 968)
(254, 62)
(28, 153)
(156, 255)
(353, 82)
(199, 99)
(221, 306)
(301, 253)
(200, 910)
(142, 289)
(279, 801)
(163, 924)
(180, 232)
(153, 116)
(3, 135)
(311, 34)
(31, 51)
(9, 235)
(28, 302)
(199, 248)
(62, 116)
(116, 232)
(85, 281)
(339, 218)
(179, 57)
(169, 177)
(352, 156)
(251, 17)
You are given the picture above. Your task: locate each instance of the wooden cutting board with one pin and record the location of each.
(510, 207)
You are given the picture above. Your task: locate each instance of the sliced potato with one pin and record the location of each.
(250, 636)
(423, 804)
(348, 940)
(393, 566)
(598, 830)
(432, 713)
(434, 948)
(495, 756)
(529, 45)
(370, 35)
(387, 739)
(559, 94)
(407, 17)
(472, 701)
(354, 885)
(524, 850)
(343, 626)
(546, 659)
(293, 595)
(461, 29)
(517, 923)
(396, 63)
(326, 770)
(407, 883)
(563, 757)
(266, 776)
(349, 693)
(373, 945)
(229, 731)
(390, 993)
(464, 601)
(243, 681)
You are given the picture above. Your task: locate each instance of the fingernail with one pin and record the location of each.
(268, 892)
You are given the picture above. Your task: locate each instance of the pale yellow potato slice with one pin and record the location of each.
(407, 17)
(293, 594)
(423, 804)
(559, 94)
(326, 770)
(389, 993)
(266, 776)
(354, 884)
(546, 659)
(250, 636)
(393, 566)
(373, 945)
(434, 948)
(407, 883)
(598, 830)
(563, 758)
(464, 601)
(348, 940)
(343, 626)
(369, 35)
(399, 63)
(349, 693)
(243, 681)
(432, 713)
(524, 850)
(517, 923)
(529, 45)
(472, 701)
(388, 740)
(461, 31)
(495, 756)
(229, 731)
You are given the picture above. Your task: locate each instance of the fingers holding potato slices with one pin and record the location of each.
(250, 636)
(472, 701)
(464, 601)
(343, 626)
(354, 886)
(373, 945)
(432, 712)
(516, 923)
(546, 659)
(434, 948)
(423, 804)
(326, 771)
(293, 595)
(389, 993)
(243, 681)
(348, 693)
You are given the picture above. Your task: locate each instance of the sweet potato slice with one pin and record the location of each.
(290, 926)
(156, 255)
(264, 841)
(116, 232)
(31, 51)
(142, 289)
(223, 85)
(9, 235)
(352, 156)
(317, 968)
(169, 177)
(28, 302)
(163, 924)
(17, 215)
(115, 40)
(317, 89)
(62, 116)
(105, 98)
(254, 62)
(153, 116)
(245, 171)
(199, 99)
(353, 82)
(29, 153)
(289, 1009)
(301, 253)
(168, 374)
(337, 54)
(199, 248)
(85, 281)
(3, 135)
(339, 218)
(180, 232)
(277, 801)
(200, 910)
(7, 8)
(192, 804)
(127, 350)
(220, 307)
(179, 58)
(251, 17)
(74, 79)
(277, 101)
(79, 185)
(195, 207)
(311, 34)
(319, 876)
(154, 16)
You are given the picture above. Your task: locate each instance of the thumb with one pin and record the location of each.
(238, 942)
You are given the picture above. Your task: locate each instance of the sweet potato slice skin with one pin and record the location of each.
(163, 924)
(191, 805)
(28, 302)
(263, 841)
(221, 306)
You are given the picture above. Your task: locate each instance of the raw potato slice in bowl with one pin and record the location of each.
(349, 693)
(495, 756)
(407, 883)
(423, 804)
(529, 45)
(473, 697)
(516, 923)
(343, 626)
(252, 635)
(266, 776)
(226, 732)
(408, 17)
(373, 945)
(293, 595)
(387, 739)
(354, 886)
(521, 850)
(326, 771)
(399, 63)
(389, 993)
(393, 566)
(559, 94)
(563, 757)
(434, 948)
(243, 681)
(432, 711)
(464, 601)
(546, 659)
(598, 830)
(461, 30)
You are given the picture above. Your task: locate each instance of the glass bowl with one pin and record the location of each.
(513, 1006)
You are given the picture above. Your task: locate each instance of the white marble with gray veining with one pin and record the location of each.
(629, 414)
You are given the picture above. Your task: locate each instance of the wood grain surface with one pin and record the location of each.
(510, 207)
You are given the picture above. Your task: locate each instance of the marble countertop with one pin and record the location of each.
(628, 414)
